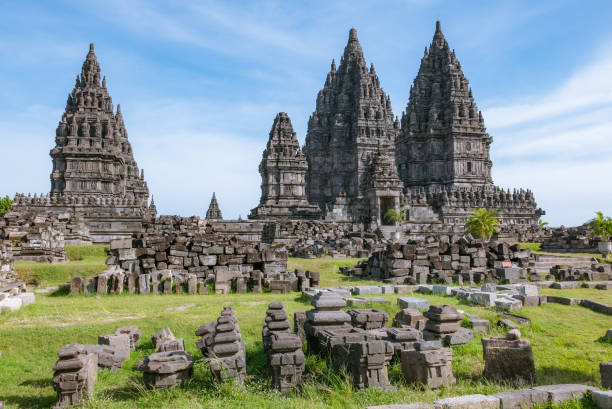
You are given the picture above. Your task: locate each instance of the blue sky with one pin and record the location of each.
(200, 83)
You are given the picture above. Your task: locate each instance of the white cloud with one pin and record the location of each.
(559, 144)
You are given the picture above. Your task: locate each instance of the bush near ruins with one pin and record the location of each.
(6, 204)
(601, 226)
(391, 216)
(482, 223)
(542, 223)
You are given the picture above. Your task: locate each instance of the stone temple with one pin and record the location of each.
(283, 175)
(352, 123)
(434, 164)
(94, 171)
(214, 212)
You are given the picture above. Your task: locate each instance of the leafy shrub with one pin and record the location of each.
(482, 223)
(6, 204)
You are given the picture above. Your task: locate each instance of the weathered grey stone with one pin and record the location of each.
(522, 398)
(166, 369)
(413, 302)
(603, 399)
(119, 341)
(560, 393)
(509, 359)
(468, 402)
(605, 370)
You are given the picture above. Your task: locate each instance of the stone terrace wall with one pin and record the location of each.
(34, 237)
(447, 259)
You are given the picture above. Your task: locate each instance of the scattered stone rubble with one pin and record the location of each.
(13, 292)
(283, 349)
(447, 259)
(75, 374)
(34, 237)
(444, 322)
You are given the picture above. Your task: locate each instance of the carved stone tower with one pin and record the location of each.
(92, 156)
(283, 175)
(353, 117)
(443, 140)
(213, 212)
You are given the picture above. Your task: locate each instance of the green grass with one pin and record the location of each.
(85, 261)
(588, 293)
(565, 342)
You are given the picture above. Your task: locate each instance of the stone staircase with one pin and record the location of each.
(544, 263)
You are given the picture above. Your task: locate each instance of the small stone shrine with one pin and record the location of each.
(226, 354)
(75, 374)
(166, 369)
(509, 359)
(444, 322)
(214, 212)
(327, 315)
(283, 349)
(429, 364)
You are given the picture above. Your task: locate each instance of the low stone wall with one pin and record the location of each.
(447, 259)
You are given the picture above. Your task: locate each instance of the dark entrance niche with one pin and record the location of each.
(386, 203)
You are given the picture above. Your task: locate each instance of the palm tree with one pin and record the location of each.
(391, 216)
(542, 223)
(483, 223)
(601, 226)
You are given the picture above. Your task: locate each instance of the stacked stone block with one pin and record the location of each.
(409, 318)
(165, 341)
(444, 259)
(226, 354)
(75, 374)
(283, 349)
(166, 369)
(509, 359)
(327, 315)
(367, 363)
(429, 364)
(444, 322)
(370, 318)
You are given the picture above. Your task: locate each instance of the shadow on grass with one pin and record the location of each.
(549, 374)
(29, 402)
(61, 291)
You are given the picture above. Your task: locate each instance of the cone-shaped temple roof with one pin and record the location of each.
(213, 212)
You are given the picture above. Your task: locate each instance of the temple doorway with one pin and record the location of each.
(386, 203)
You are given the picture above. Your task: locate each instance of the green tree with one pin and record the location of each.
(601, 226)
(482, 223)
(6, 204)
(391, 216)
(542, 223)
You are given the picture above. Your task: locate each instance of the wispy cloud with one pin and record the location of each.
(560, 143)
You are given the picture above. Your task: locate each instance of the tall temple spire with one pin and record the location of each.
(214, 212)
(352, 115)
(93, 156)
(443, 140)
(283, 173)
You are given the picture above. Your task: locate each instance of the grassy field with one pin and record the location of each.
(566, 343)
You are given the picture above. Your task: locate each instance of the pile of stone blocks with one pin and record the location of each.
(444, 322)
(165, 341)
(369, 318)
(206, 333)
(191, 262)
(447, 259)
(75, 375)
(109, 357)
(509, 359)
(409, 318)
(326, 315)
(33, 236)
(226, 354)
(429, 364)
(402, 339)
(167, 369)
(283, 349)
(133, 333)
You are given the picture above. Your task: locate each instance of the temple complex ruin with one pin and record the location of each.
(359, 161)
